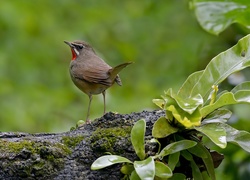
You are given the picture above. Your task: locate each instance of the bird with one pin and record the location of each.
(91, 74)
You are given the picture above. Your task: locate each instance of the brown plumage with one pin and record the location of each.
(90, 73)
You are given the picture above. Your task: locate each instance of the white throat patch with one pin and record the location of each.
(77, 52)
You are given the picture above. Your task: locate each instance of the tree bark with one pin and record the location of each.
(69, 155)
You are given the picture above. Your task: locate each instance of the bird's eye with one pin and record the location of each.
(80, 46)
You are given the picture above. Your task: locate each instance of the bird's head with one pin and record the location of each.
(78, 47)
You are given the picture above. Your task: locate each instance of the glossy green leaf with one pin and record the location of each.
(221, 66)
(137, 138)
(108, 160)
(184, 118)
(192, 79)
(218, 96)
(243, 86)
(134, 176)
(176, 147)
(169, 100)
(215, 16)
(215, 133)
(162, 170)
(178, 176)
(218, 116)
(159, 102)
(196, 173)
(127, 169)
(173, 159)
(162, 128)
(208, 162)
(205, 175)
(145, 169)
(189, 104)
(198, 151)
(241, 138)
(187, 155)
(225, 99)
(242, 96)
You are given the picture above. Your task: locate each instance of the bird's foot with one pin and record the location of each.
(88, 121)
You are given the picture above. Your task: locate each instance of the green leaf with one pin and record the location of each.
(134, 176)
(243, 86)
(178, 176)
(198, 151)
(145, 169)
(189, 104)
(208, 162)
(137, 138)
(216, 16)
(187, 155)
(173, 159)
(215, 133)
(241, 138)
(220, 67)
(196, 173)
(218, 95)
(162, 128)
(159, 102)
(188, 115)
(184, 118)
(225, 99)
(217, 116)
(189, 84)
(162, 170)
(108, 160)
(205, 175)
(127, 169)
(242, 96)
(176, 147)
(169, 100)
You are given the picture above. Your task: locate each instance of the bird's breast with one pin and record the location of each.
(88, 87)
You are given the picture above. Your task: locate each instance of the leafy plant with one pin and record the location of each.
(147, 167)
(196, 110)
(215, 16)
(193, 113)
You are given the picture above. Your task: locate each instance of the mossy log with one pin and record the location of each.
(69, 155)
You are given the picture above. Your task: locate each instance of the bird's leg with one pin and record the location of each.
(90, 99)
(104, 101)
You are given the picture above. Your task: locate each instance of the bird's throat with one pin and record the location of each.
(73, 54)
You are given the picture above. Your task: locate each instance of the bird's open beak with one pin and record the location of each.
(68, 43)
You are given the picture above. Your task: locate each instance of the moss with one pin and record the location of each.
(104, 139)
(39, 165)
(116, 131)
(33, 147)
(16, 147)
(72, 142)
(63, 147)
(34, 158)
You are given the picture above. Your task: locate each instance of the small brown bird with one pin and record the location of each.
(90, 73)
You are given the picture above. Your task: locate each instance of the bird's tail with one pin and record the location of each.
(115, 70)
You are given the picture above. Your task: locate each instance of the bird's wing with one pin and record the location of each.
(114, 72)
(93, 72)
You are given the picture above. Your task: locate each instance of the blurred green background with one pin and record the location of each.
(163, 38)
